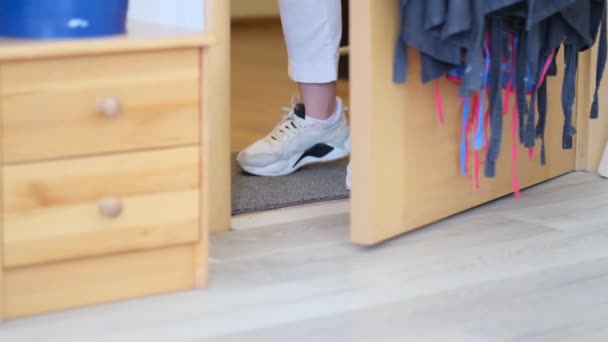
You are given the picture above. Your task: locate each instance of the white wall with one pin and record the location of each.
(179, 13)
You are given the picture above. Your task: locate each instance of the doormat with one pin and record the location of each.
(310, 184)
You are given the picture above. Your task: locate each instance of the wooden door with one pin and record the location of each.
(406, 166)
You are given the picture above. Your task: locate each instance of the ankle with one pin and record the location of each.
(332, 118)
(319, 99)
(320, 112)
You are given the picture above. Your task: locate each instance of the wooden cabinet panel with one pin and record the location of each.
(53, 287)
(90, 206)
(68, 107)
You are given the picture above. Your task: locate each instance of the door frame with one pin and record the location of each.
(215, 133)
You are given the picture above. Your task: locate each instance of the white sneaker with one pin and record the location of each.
(298, 141)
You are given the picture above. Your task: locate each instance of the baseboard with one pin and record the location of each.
(289, 215)
(257, 21)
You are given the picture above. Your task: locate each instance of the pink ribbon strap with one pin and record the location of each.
(514, 152)
(439, 103)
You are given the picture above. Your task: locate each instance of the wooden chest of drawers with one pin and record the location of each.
(69, 107)
(101, 169)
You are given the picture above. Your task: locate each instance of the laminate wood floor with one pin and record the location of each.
(528, 270)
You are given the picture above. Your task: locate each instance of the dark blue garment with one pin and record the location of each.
(520, 84)
(598, 9)
(414, 35)
(500, 5)
(541, 10)
(434, 13)
(568, 94)
(450, 35)
(542, 120)
(495, 105)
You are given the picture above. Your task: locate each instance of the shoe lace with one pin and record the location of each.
(288, 127)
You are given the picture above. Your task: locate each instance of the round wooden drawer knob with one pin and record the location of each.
(110, 207)
(109, 106)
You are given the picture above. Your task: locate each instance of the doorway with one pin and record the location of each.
(261, 93)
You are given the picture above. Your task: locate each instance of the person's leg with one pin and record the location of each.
(313, 29)
(316, 129)
(319, 99)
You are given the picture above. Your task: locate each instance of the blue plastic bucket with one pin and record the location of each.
(59, 19)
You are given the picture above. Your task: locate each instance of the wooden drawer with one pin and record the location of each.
(84, 207)
(46, 288)
(77, 106)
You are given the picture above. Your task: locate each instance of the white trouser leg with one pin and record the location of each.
(313, 29)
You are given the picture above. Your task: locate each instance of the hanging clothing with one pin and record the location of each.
(488, 46)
